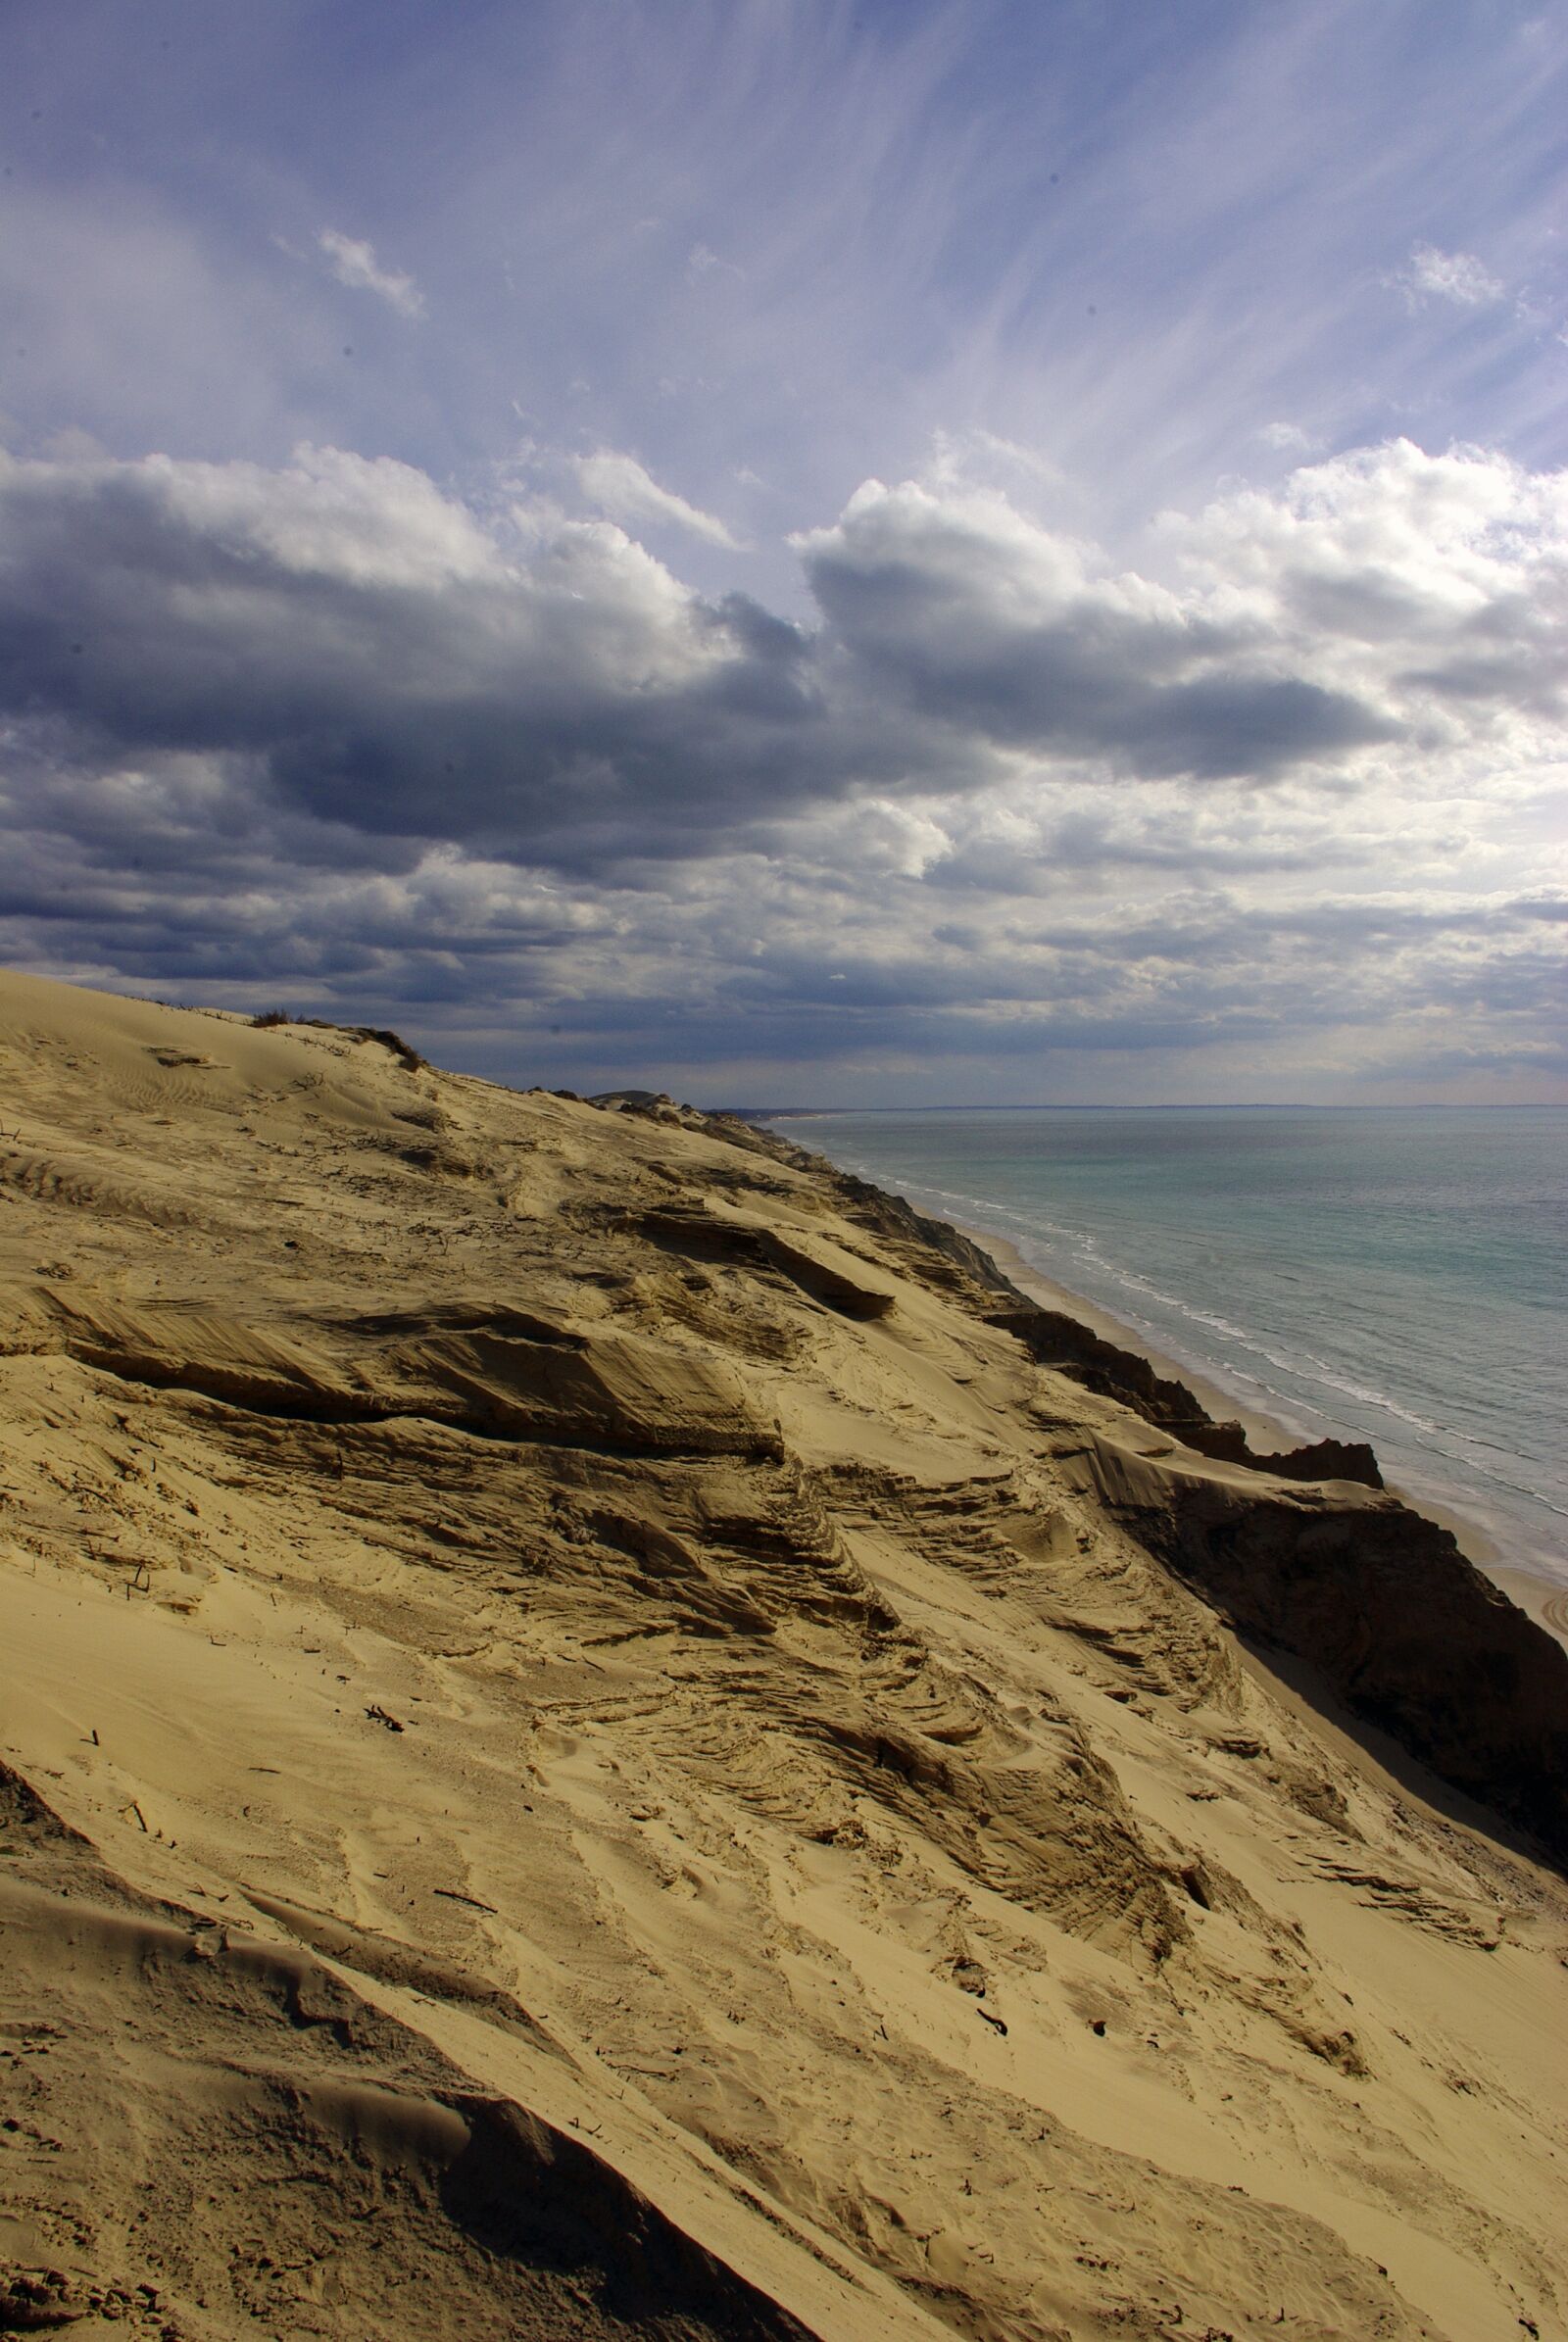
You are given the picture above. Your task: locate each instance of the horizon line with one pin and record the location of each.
(1185, 1106)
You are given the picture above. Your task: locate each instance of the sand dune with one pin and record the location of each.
(593, 1745)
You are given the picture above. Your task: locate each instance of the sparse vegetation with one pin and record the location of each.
(408, 1057)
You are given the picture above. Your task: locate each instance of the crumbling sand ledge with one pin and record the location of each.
(635, 1758)
(1541, 1596)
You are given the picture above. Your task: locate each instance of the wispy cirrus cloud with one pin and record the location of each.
(354, 263)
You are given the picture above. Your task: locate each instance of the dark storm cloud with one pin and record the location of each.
(991, 629)
(324, 736)
(384, 662)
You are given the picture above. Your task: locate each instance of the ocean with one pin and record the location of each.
(1398, 1275)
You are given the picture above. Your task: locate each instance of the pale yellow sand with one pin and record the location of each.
(1545, 1603)
(811, 1806)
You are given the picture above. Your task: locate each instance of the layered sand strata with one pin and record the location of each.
(598, 1741)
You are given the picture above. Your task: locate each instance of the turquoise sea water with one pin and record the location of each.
(1394, 1275)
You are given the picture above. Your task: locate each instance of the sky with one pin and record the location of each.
(796, 553)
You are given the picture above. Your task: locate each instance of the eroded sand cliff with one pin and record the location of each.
(597, 1740)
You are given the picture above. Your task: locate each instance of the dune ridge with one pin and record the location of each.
(603, 1734)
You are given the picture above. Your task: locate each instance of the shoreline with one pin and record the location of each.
(1264, 1431)
(1542, 1598)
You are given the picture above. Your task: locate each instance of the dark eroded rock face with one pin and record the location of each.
(1327, 1459)
(1403, 1627)
(1059, 1341)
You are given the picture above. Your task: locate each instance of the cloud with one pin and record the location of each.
(961, 610)
(977, 458)
(1431, 585)
(546, 689)
(388, 661)
(703, 261)
(619, 486)
(1456, 276)
(323, 733)
(925, 214)
(355, 264)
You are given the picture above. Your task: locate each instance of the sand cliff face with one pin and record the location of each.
(1378, 1599)
(597, 1743)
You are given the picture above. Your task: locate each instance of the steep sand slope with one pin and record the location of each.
(595, 1746)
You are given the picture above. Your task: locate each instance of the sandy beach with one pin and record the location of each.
(590, 1748)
